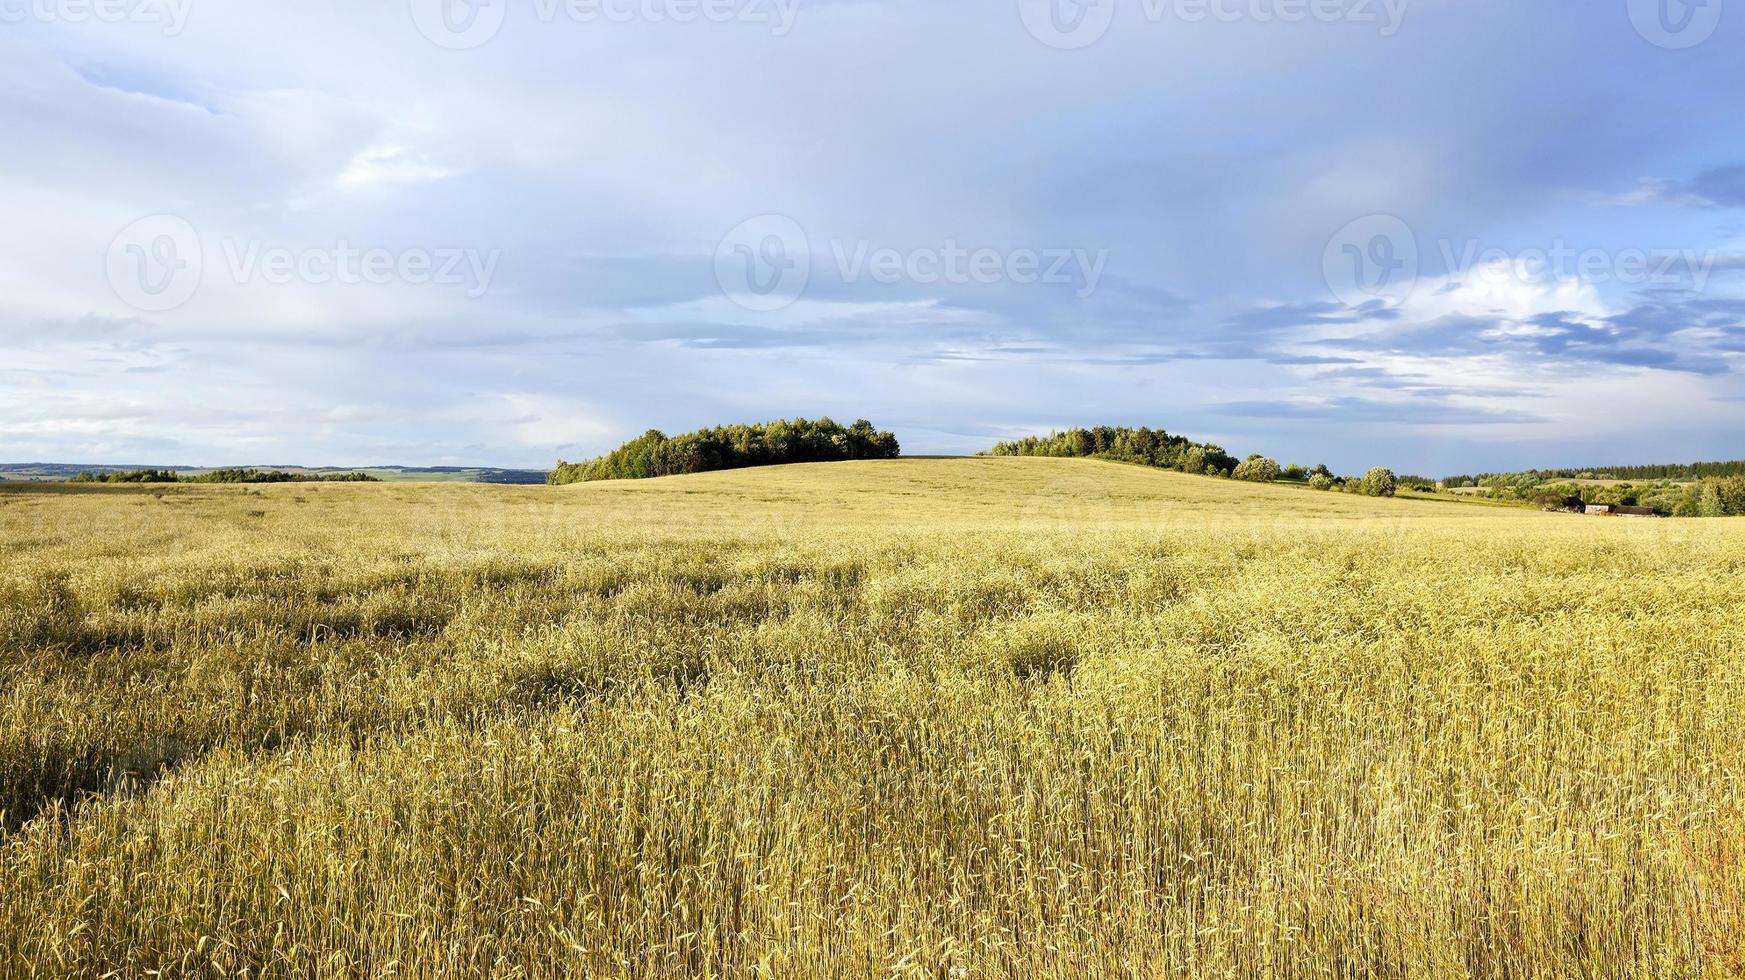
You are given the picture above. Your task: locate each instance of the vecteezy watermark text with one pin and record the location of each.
(462, 24)
(171, 15)
(765, 264)
(1670, 268)
(1377, 257)
(158, 263)
(779, 15)
(1069, 24)
(955, 265)
(1385, 15)
(350, 266)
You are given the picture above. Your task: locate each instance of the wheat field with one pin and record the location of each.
(932, 718)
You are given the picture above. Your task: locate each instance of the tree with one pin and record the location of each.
(1321, 481)
(1709, 502)
(1731, 490)
(1378, 482)
(1257, 469)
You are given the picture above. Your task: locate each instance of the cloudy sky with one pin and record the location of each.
(1442, 235)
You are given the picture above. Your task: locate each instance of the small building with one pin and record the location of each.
(1620, 510)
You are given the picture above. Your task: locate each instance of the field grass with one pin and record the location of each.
(941, 718)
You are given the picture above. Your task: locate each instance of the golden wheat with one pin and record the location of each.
(964, 718)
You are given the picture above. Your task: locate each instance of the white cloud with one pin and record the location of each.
(554, 423)
(391, 164)
(1513, 289)
(576, 148)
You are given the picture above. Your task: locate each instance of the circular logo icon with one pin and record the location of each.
(1675, 24)
(1067, 24)
(459, 25)
(764, 263)
(1372, 258)
(155, 264)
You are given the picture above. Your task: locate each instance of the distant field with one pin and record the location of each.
(51, 473)
(933, 718)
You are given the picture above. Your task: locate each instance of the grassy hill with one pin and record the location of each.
(999, 493)
(979, 717)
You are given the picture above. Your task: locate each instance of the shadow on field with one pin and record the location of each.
(57, 784)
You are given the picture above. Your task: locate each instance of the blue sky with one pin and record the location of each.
(1441, 235)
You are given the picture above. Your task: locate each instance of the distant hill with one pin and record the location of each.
(50, 472)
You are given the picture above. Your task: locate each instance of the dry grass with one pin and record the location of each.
(941, 718)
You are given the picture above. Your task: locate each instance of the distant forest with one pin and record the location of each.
(223, 476)
(1669, 471)
(1150, 447)
(731, 447)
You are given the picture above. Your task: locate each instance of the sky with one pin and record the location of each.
(1439, 235)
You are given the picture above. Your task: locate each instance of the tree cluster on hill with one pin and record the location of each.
(1378, 482)
(1150, 447)
(223, 476)
(732, 447)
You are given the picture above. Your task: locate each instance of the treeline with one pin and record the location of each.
(131, 476)
(223, 476)
(1150, 447)
(1668, 471)
(730, 447)
(1715, 496)
(278, 476)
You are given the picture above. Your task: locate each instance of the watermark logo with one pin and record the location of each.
(155, 264)
(1067, 24)
(459, 25)
(170, 15)
(1676, 24)
(1372, 258)
(764, 263)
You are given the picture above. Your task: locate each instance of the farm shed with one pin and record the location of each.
(1620, 510)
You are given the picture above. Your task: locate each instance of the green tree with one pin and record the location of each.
(1709, 503)
(1378, 482)
(1257, 469)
